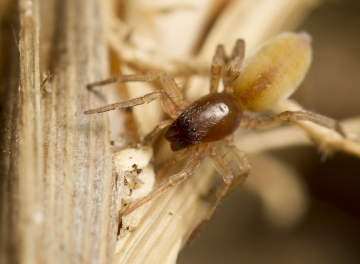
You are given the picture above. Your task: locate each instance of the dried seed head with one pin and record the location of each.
(274, 72)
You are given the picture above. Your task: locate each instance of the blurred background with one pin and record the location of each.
(328, 231)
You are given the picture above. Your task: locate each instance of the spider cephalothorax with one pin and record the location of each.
(214, 112)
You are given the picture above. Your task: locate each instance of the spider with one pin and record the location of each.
(268, 77)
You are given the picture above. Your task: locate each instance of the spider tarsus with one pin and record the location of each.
(338, 128)
(89, 112)
(89, 87)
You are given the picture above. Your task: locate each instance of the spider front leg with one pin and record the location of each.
(175, 179)
(229, 182)
(292, 116)
(172, 107)
(237, 57)
(168, 102)
(152, 136)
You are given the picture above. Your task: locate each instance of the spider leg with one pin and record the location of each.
(292, 116)
(239, 49)
(168, 103)
(216, 68)
(175, 179)
(236, 66)
(152, 135)
(168, 162)
(166, 79)
(228, 184)
(242, 163)
(176, 158)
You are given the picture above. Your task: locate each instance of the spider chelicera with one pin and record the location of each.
(267, 78)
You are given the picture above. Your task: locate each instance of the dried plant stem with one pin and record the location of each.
(171, 217)
(31, 155)
(58, 193)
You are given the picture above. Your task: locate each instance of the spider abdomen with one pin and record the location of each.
(211, 118)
